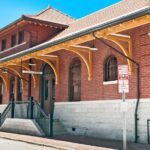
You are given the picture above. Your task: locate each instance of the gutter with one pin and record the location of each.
(76, 35)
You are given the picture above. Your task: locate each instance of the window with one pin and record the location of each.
(21, 37)
(3, 44)
(110, 69)
(75, 80)
(13, 40)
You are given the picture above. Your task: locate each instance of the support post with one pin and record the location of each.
(148, 131)
(31, 107)
(51, 124)
(124, 125)
(12, 105)
(52, 116)
(0, 119)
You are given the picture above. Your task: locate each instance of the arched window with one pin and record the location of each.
(75, 80)
(110, 69)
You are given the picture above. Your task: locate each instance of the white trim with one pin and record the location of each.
(110, 82)
(122, 35)
(8, 49)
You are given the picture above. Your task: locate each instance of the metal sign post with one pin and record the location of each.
(123, 81)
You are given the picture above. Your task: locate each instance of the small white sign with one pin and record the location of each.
(124, 106)
(122, 69)
(123, 79)
(31, 72)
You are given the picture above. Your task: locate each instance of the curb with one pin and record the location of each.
(38, 144)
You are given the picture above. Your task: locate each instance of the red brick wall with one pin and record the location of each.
(35, 34)
(94, 89)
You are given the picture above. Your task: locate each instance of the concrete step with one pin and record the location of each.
(58, 128)
(22, 126)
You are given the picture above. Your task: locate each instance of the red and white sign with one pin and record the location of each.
(123, 79)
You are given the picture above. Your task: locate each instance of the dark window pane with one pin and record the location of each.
(13, 40)
(3, 44)
(110, 69)
(21, 37)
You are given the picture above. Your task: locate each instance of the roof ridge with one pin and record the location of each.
(43, 11)
(50, 7)
(63, 13)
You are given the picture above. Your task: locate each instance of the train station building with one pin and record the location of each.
(72, 65)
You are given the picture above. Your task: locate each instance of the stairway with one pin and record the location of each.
(28, 118)
(58, 128)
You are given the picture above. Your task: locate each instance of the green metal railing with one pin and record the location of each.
(6, 114)
(29, 110)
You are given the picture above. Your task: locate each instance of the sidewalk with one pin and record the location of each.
(61, 145)
(70, 142)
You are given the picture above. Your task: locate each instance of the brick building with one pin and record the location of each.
(77, 61)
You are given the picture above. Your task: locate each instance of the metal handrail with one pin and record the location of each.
(41, 110)
(33, 110)
(4, 114)
(148, 134)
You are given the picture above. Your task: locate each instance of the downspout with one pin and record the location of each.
(138, 83)
(30, 61)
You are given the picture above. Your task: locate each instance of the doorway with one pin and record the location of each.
(48, 89)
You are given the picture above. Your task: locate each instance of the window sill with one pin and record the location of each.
(110, 82)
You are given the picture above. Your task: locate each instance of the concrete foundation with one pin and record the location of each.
(103, 119)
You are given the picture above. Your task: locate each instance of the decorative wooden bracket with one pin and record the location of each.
(5, 80)
(119, 40)
(80, 51)
(27, 68)
(16, 72)
(47, 59)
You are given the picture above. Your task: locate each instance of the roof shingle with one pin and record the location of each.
(103, 16)
(53, 15)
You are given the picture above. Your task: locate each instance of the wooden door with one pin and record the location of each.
(75, 80)
(48, 89)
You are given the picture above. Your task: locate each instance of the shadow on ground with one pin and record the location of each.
(101, 143)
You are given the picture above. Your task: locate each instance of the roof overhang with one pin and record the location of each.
(25, 19)
(123, 23)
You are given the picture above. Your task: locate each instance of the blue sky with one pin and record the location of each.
(11, 10)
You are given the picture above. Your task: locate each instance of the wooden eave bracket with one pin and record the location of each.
(25, 67)
(15, 71)
(119, 39)
(81, 51)
(5, 80)
(53, 62)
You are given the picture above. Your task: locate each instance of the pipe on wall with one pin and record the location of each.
(138, 82)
